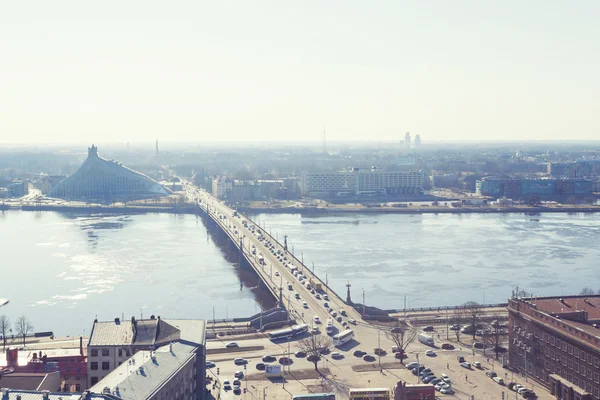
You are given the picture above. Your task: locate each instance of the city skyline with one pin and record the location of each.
(273, 71)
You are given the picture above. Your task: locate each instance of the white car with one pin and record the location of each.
(231, 344)
(446, 391)
(430, 353)
(441, 386)
(317, 320)
(352, 321)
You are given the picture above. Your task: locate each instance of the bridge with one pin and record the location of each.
(274, 273)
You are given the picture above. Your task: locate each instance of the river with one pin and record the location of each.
(64, 270)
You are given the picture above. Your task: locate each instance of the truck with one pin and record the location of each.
(426, 339)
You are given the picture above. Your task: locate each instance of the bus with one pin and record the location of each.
(370, 393)
(343, 337)
(288, 332)
(314, 396)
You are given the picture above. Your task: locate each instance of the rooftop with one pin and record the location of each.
(24, 380)
(554, 305)
(112, 333)
(38, 395)
(143, 374)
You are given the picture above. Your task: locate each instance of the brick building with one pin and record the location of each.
(556, 342)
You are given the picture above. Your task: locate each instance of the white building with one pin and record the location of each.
(221, 187)
(359, 182)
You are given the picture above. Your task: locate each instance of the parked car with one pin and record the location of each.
(336, 355)
(317, 319)
(313, 358)
(210, 364)
(285, 361)
(238, 374)
(435, 381)
(325, 297)
(498, 380)
(430, 353)
(240, 361)
(300, 354)
(368, 357)
(358, 353)
(400, 355)
(268, 359)
(260, 366)
(379, 352)
(447, 346)
(465, 365)
(492, 374)
(226, 385)
(428, 378)
(428, 328)
(314, 331)
(477, 364)
(412, 365)
(339, 319)
(447, 390)
(460, 359)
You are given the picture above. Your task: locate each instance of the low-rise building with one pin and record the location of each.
(112, 343)
(169, 372)
(556, 342)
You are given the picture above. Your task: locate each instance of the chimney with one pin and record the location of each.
(81, 345)
(12, 357)
(45, 394)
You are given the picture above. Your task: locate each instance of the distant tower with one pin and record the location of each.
(156, 147)
(285, 242)
(417, 140)
(348, 299)
(324, 141)
(407, 140)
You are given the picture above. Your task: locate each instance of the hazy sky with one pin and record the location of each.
(280, 70)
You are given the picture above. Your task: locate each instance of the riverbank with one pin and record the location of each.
(95, 209)
(340, 209)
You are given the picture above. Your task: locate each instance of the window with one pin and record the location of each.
(120, 352)
(77, 387)
(564, 360)
(94, 366)
(94, 380)
(547, 337)
(576, 367)
(105, 352)
(558, 343)
(105, 365)
(94, 353)
(564, 346)
(596, 377)
(596, 364)
(570, 349)
(582, 370)
(589, 374)
(570, 364)
(589, 358)
(576, 351)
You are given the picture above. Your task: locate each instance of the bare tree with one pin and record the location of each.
(587, 291)
(457, 318)
(473, 313)
(313, 346)
(402, 335)
(4, 329)
(496, 338)
(22, 327)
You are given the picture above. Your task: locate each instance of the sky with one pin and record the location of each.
(270, 71)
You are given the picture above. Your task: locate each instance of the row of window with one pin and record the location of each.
(105, 366)
(106, 352)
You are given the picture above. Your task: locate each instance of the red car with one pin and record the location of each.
(447, 346)
(285, 361)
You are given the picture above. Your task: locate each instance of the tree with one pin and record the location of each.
(402, 335)
(587, 291)
(457, 318)
(22, 327)
(313, 346)
(4, 329)
(472, 314)
(496, 338)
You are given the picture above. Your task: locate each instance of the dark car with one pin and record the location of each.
(368, 357)
(379, 352)
(447, 346)
(285, 361)
(358, 353)
(313, 358)
(399, 355)
(324, 350)
(260, 366)
(300, 354)
(492, 374)
(268, 359)
(428, 328)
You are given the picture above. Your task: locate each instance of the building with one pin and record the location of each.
(47, 182)
(418, 141)
(361, 182)
(407, 142)
(17, 188)
(169, 372)
(36, 381)
(17, 394)
(112, 343)
(517, 188)
(101, 179)
(221, 187)
(556, 342)
(575, 169)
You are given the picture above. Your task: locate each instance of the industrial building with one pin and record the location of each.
(361, 182)
(518, 188)
(101, 179)
(555, 341)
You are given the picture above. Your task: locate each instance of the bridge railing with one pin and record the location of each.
(444, 308)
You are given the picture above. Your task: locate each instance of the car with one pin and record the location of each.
(260, 366)
(368, 357)
(352, 321)
(237, 383)
(336, 355)
(447, 390)
(343, 312)
(417, 370)
(441, 386)
(240, 361)
(300, 354)
(477, 364)
(324, 350)
(210, 364)
(379, 352)
(516, 387)
(315, 331)
(304, 304)
(435, 381)
(498, 380)
(318, 296)
(465, 365)
(232, 344)
(237, 391)
(428, 328)
(268, 359)
(455, 327)
(447, 346)
(325, 297)
(326, 305)
(523, 390)
(317, 319)
(491, 374)
(297, 295)
(447, 380)
(424, 371)
(430, 353)
(276, 273)
(412, 365)
(443, 376)
(428, 378)
(285, 361)
(238, 374)
(529, 395)
(400, 355)
(226, 385)
(358, 353)
(460, 359)
(339, 319)
(334, 314)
